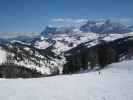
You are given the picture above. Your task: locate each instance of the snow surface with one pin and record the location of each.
(42, 44)
(64, 40)
(112, 37)
(113, 83)
(3, 57)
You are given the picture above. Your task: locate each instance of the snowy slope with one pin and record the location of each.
(2, 56)
(23, 54)
(65, 42)
(113, 83)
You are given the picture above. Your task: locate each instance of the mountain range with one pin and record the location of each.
(64, 50)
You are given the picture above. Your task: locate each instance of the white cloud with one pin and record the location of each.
(58, 20)
(80, 20)
(69, 20)
(15, 34)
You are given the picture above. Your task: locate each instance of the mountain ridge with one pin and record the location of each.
(55, 50)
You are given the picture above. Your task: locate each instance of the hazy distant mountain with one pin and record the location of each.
(51, 31)
(105, 27)
(131, 27)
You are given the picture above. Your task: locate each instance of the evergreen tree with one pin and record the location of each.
(106, 54)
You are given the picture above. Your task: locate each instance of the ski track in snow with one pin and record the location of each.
(114, 83)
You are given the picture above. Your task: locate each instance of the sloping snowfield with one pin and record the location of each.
(113, 83)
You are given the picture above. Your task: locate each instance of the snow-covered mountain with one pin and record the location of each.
(58, 49)
(113, 83)
(106, 27)
(69, 37)
(23, 54)
(100, 27)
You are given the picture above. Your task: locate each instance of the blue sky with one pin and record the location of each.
(34, 15)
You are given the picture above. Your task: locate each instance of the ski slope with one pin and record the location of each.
(3, 55)
(113, 83)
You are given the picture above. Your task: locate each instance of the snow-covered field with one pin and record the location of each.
(113, 83)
